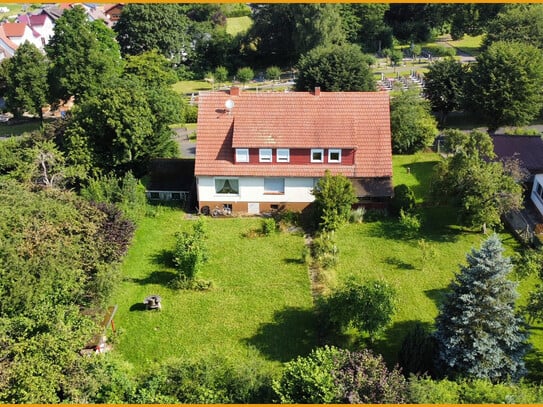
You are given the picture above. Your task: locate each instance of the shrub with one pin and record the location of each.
(404, 199)
(190, 252)
(417, 351)
(334, 197)
(268, 226)
(410, 224)
(332, 375)
(191, 114)
(324, 250)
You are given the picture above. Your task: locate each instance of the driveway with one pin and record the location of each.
(187, 148)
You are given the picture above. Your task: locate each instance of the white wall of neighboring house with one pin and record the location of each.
(46, 30)
(537, 192)
(251, 189)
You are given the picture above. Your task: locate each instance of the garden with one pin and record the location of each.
(260, 307)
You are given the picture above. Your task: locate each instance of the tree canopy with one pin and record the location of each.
(504, 86)
(480, 188)
(84, 56)
(412, 125)
(27, 86)
(335, 68)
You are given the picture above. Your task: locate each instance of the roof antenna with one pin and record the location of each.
(229, 104)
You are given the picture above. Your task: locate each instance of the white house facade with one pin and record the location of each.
(537, 193)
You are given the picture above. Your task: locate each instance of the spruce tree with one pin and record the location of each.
(479, 334)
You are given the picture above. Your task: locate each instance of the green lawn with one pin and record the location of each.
(414, 171)
(468, 44)
(188, 87)
(7, 130)
(259, 308)
(237, 25)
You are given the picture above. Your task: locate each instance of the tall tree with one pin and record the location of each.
(27, 86)
(480, 188)
(335, 68)
(364, 24)
(517, 22)
(283, 32)
(121, 128)
(471, 18)
(83, 55)
(479, 333)
(444, 86)
(412, 125)
(164, 27)
(504, 87)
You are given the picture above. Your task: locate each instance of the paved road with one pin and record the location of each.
(187, 148)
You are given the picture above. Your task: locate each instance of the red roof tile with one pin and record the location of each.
(359, 120)
(14, 29)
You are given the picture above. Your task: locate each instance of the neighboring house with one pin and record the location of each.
(21, 32)
(41, 24)
(7, 46)
(113, 12)
(529, 150)
(537, 193)
(259, 152)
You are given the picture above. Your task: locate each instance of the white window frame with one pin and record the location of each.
(317, 150)
(265, 155)
(242, 155)
(225, 193)
(275, 181)
(332, 151)
(283, 155)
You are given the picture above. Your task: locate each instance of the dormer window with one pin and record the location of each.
(283, 155)
(334, 155)
(317, 155)
(242, 155)
(265, 155)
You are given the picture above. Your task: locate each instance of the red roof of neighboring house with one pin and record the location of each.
(350, 120)
(528, 149)
(9, 43)
(37, 19)
(14, 29)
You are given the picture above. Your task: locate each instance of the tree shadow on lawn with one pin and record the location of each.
(163, 258)
(422, 172)
(156, 277)
(390, 343)
(437, 295)
(292, 333)
(399, 263)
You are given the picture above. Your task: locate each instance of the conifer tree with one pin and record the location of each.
(478, 334)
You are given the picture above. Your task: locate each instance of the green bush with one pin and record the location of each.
(409, 223)
(417, 353)
(190, 252)
(404, 199)
(268, 226)
(521, 131)
(324, 250)
(191, 114)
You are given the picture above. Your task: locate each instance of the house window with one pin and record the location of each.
(283, 155)
(265, 155)
(242, 155)
(226, 186)
(317, 155)
(334, 156)
(274, 185)
(539, 190)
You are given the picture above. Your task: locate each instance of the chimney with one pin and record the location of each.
(235, 91)
(317, 90)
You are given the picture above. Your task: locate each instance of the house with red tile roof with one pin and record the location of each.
(260, 152)
(42, 26)
(21, 32)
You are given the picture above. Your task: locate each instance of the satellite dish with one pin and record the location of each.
(229, 104)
